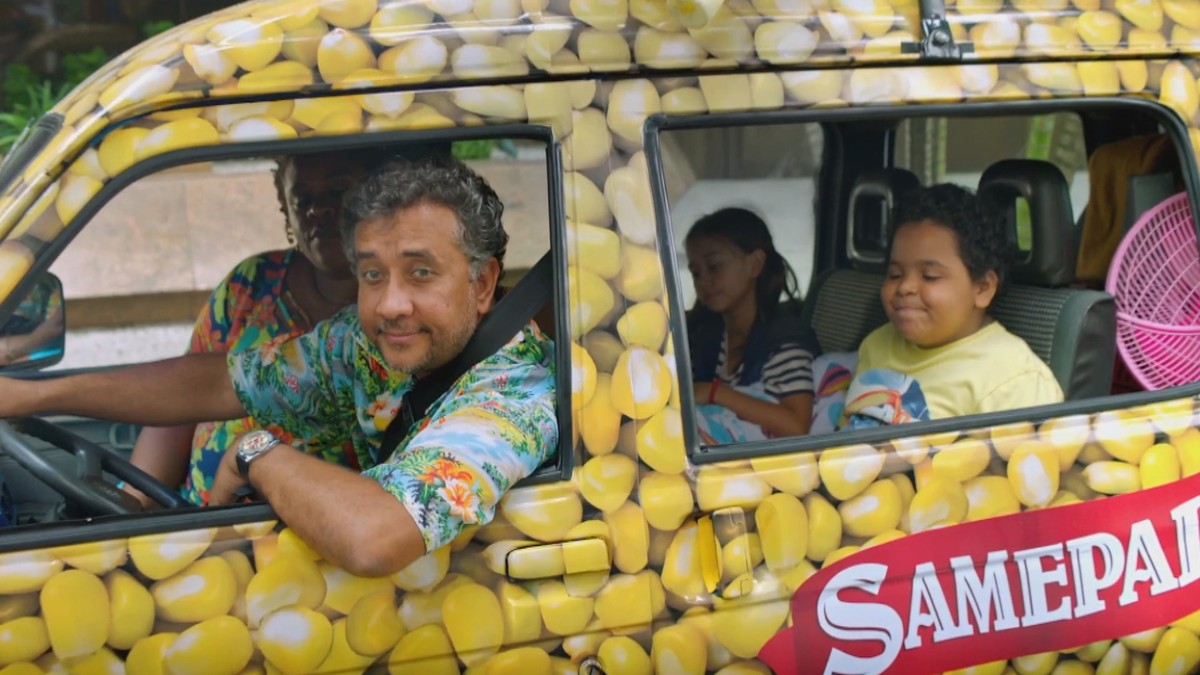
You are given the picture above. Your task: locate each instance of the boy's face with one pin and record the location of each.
(929, 295)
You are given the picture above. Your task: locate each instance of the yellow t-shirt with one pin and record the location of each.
(988, 371)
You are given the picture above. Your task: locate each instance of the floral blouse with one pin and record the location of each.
(248, 309)
(495, 426)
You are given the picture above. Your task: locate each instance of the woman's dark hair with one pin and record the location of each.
(977, 224)
(746, 230)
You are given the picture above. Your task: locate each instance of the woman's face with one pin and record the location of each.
(313, 186)
(724, 275)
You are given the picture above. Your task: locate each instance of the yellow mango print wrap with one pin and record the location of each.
(249, 599)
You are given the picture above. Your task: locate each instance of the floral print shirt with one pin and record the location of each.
(249, 308)
(495, 426)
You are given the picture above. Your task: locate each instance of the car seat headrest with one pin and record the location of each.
(869, 219)
(1051, 258)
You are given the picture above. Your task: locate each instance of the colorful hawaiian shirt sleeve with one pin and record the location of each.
(303, 384)
(495, 428)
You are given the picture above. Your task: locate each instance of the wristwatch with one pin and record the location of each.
(252, 446)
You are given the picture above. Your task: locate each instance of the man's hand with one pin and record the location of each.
(228, 479)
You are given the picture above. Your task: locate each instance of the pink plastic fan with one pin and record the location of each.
(1155, 278)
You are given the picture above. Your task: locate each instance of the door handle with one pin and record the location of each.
(715, 534)
(541, 561)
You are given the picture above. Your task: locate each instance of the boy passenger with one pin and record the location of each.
(941, 354)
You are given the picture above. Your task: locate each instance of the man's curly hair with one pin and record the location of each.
(978, 225)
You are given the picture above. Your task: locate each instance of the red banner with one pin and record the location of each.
(1037, 581)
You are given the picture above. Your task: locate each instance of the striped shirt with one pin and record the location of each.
(787, 372)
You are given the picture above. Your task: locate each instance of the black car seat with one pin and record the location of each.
(1073, 330)
(843, 304)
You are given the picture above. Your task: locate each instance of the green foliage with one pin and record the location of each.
(18, 80)
(478, 149)
(152, 28)
(79, 66)
(27, 96)
(483, 148)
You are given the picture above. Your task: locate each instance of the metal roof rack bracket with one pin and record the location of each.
(937, 42)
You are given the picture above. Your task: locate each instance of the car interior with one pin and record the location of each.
(1053, 170)
(516, 168)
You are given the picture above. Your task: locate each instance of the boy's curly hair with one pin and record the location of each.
(978, 225)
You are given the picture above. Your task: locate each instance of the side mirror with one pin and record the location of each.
(34, 336)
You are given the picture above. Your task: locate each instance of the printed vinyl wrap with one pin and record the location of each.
(254, 599)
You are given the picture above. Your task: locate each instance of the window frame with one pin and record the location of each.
(699, 454)
(45, 534)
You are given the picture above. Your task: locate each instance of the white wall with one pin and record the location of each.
(786, 204)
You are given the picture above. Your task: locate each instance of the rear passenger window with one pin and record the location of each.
(742, 204)
(1027, 174)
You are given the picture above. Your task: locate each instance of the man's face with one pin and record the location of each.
(416, 298)
(313, 186)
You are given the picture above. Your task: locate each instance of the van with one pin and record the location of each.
(1056, 539)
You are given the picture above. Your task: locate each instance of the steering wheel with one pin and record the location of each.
(87, 492)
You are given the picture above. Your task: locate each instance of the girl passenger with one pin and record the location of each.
(752, 372)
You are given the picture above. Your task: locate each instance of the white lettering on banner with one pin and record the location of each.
(1057, 582)
(984, 596)
(858, 621)
(1187, 533)
(927, 592)
(1088, 583)
(1035, 578)
(1144, 546)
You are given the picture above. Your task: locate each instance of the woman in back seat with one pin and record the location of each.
(752, 372)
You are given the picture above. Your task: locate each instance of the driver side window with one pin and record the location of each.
(138, 275)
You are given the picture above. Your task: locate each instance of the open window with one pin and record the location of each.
(1028, 162)
(151, 250)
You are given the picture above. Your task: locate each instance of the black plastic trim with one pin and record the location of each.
(699, 454)
(562, 356)
(46, 535)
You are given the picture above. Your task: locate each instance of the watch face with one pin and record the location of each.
(256, 440)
